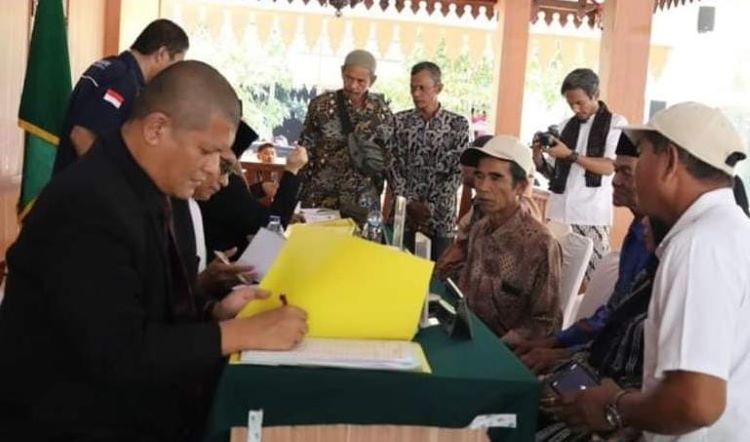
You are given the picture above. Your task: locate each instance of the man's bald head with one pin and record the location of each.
(181, 124)
(189, 93)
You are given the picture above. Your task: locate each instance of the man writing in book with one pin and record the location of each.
(108, 340)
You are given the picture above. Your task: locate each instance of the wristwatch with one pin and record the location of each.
(572, 158)
(612, 412)
(614, 419)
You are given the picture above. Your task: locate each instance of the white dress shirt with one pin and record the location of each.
(581, 205)
(700, 308)
(200, 237)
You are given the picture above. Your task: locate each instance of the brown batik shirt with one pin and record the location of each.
(510, 275)
(329, 179)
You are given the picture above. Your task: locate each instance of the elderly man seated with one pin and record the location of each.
(616, 350)
(542, 354)
(509, 268)
(696, 360)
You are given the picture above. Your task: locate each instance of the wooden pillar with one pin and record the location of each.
(623, 65)
(512, 51)
(623, 55)
(112, 12)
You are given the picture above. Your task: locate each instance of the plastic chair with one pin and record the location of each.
(600, 287)
(576, 251)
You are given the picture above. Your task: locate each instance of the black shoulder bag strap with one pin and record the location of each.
(348, 210)
(346, 123)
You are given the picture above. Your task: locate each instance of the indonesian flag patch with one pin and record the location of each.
(114, 98)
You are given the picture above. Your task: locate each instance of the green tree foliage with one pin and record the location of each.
(261, 77)
(259, 74)
(467, 81)
(543, 82)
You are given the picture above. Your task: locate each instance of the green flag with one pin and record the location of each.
(45, 97)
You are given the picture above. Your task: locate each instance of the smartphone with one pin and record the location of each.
(572, 377)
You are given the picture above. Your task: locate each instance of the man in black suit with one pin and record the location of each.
(101, 336)
(233, 213)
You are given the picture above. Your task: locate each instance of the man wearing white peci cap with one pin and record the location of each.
(509, 267)
(336, 176)
(696, 374)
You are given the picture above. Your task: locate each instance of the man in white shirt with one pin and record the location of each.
(582, 164)
(696, 374)
(212, 184)
(214, 274)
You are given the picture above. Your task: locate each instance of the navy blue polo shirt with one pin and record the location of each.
(100, 102)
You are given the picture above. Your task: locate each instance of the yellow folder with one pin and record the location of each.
(344, 226)
(349, 287)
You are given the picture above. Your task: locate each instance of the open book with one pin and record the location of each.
(345, 353)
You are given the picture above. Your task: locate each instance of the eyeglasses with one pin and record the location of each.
(227, 166)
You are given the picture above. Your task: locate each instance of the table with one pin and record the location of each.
(469, 378)
(362, 433)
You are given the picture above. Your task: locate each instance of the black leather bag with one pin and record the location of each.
(366, 155)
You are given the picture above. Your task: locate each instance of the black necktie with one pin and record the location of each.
(184, 305)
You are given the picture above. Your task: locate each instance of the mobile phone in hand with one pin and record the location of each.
(572, 377)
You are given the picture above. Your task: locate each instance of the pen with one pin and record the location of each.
(283, 299)
(223, 258)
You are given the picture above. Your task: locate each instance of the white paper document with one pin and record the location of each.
(493, 420)
(399, 221)
(319, 215)
(262, 251)
(344, 353)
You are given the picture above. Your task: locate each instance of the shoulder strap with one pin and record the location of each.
(346, 123)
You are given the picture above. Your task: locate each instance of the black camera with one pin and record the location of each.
(547, 138)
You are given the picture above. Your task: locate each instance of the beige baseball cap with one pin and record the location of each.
(502, 147)
(703, 131)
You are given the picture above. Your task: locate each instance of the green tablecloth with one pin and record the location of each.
(469, 378)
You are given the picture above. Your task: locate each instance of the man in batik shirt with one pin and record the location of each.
(330, 180)
(424, 167)
(510, 269)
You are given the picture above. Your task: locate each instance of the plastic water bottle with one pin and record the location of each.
(374, 226)
(274, 225)
(372, 229)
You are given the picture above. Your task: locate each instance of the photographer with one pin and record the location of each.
(580, 163)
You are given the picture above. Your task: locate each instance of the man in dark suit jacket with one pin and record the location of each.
(233, 213)
(101, 338)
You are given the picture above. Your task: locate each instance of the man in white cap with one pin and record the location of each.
(696, 371)
(510, 270)
(331, 179)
